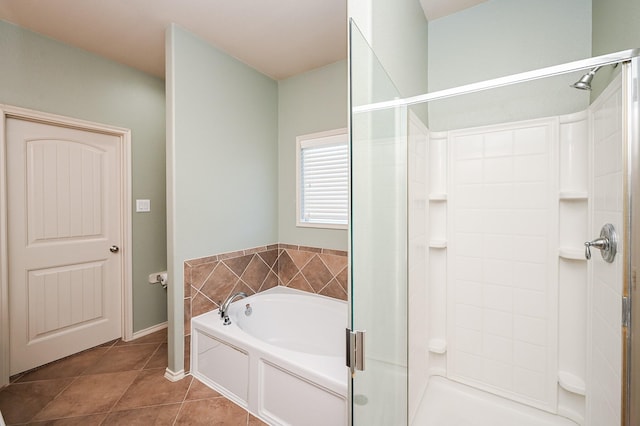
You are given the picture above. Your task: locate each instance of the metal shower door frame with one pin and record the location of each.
(569, 67)
(631, 242)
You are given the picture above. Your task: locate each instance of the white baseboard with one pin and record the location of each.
(174, 377)
(146, 331)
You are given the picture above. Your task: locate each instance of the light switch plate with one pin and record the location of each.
(143, 206)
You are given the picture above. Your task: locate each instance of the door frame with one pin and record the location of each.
(8, 111)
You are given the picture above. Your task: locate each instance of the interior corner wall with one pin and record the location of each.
(400, 40)
(42, 74)
(311, 102)
(222, 161)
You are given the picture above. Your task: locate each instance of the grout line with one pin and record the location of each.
(188, 389)
(125, 391)
(183, 400)
(54, 398)
(204, 281)
(151, 356)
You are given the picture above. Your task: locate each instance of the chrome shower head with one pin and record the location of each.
(585, 82)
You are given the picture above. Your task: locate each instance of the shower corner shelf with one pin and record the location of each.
(573, 195)
(571, 253)
(571, 383)
(438, 244)
(437, 346)
(438, 197)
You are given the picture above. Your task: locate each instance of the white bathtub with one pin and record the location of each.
(284, 362)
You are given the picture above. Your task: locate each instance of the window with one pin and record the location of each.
(323, 179)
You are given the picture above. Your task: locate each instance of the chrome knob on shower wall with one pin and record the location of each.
(607, 244)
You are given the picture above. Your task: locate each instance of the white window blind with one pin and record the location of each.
(323, 188)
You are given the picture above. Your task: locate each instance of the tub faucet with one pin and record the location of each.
(225, 306)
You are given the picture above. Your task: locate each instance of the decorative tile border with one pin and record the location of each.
(208, 281)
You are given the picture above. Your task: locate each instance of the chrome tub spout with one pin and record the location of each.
(224, 308)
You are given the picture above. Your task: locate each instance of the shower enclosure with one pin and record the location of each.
(473, 210)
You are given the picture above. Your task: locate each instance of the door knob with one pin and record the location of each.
(114, 249)
(607, 244)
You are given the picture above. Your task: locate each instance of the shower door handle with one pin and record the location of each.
(607, 244)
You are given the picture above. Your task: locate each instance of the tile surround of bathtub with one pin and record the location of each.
(210, 280)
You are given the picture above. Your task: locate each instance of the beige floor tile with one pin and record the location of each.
(254, 421)
(159, 359)
(123, 358)
(88, 395)
(151, 388)
(199, 390)
(20, 402)
(156, 415)
(71, 366)
(215, 411)
(93, 420)
(117, 383)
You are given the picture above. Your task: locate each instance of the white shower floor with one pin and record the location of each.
(447, 403)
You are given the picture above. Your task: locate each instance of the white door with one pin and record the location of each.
(64, 223)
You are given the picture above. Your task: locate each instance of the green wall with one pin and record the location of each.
(397, 32)
(616, 27)
(311, 102)
(222, 155)
(42, 74)
(400, 38)
(503, 37)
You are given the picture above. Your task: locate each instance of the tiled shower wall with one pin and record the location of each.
(514, 308)
(208, 281)
(502, 212)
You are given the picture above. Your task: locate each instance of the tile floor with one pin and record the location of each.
(118, 383)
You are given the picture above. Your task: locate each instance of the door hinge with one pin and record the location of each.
(626, 311)
(355, 350)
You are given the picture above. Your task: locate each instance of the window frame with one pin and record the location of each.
(300, 141)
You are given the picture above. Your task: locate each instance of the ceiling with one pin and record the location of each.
(279, 38)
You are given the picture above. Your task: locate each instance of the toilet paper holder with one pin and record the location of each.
(159, 277)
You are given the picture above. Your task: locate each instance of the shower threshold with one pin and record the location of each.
(447, 403)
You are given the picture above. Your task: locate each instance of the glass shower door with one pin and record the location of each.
(378, 238)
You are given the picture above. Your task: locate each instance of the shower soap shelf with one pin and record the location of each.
(438, 197)
(571, 382)
(571, 253)
(438, 244)
(438, 346)
(574, 195)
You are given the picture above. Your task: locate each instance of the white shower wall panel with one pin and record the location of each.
(502, 286)
(604, 335)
